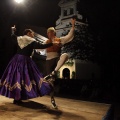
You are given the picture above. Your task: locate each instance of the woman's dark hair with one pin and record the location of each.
(26, 31)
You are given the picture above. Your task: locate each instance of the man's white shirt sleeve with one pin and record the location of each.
(68, 37)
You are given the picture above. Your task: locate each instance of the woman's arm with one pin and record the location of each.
(37, 45)
(13, 36)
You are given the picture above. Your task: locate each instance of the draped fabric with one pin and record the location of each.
(22, 80)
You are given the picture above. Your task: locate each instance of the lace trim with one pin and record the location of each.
(24, 41)
(41, 81)
(7, 85)
(18, 85)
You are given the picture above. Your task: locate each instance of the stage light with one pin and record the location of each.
(19, 1)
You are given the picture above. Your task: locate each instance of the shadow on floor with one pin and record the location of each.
(42, 108)
(36, 109)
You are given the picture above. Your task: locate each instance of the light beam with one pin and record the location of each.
(19, 1)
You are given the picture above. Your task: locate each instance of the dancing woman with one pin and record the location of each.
(21, 79)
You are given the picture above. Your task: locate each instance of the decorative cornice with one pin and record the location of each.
(64, 3)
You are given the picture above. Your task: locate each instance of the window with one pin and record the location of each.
(65, 12)
(71, 11)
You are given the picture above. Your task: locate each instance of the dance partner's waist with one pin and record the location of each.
(51, 55)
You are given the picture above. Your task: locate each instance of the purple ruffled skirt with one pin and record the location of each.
(22, 80)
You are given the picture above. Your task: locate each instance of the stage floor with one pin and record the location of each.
(41, 109)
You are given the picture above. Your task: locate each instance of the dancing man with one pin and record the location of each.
(54, 60)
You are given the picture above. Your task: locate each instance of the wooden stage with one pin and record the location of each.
(40, 109)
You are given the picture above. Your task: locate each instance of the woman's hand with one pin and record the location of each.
(13, 28)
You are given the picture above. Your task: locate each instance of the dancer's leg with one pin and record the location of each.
(53, 99)
(63, 58)
(50, 66)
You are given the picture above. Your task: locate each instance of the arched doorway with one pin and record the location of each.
(66, 73)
